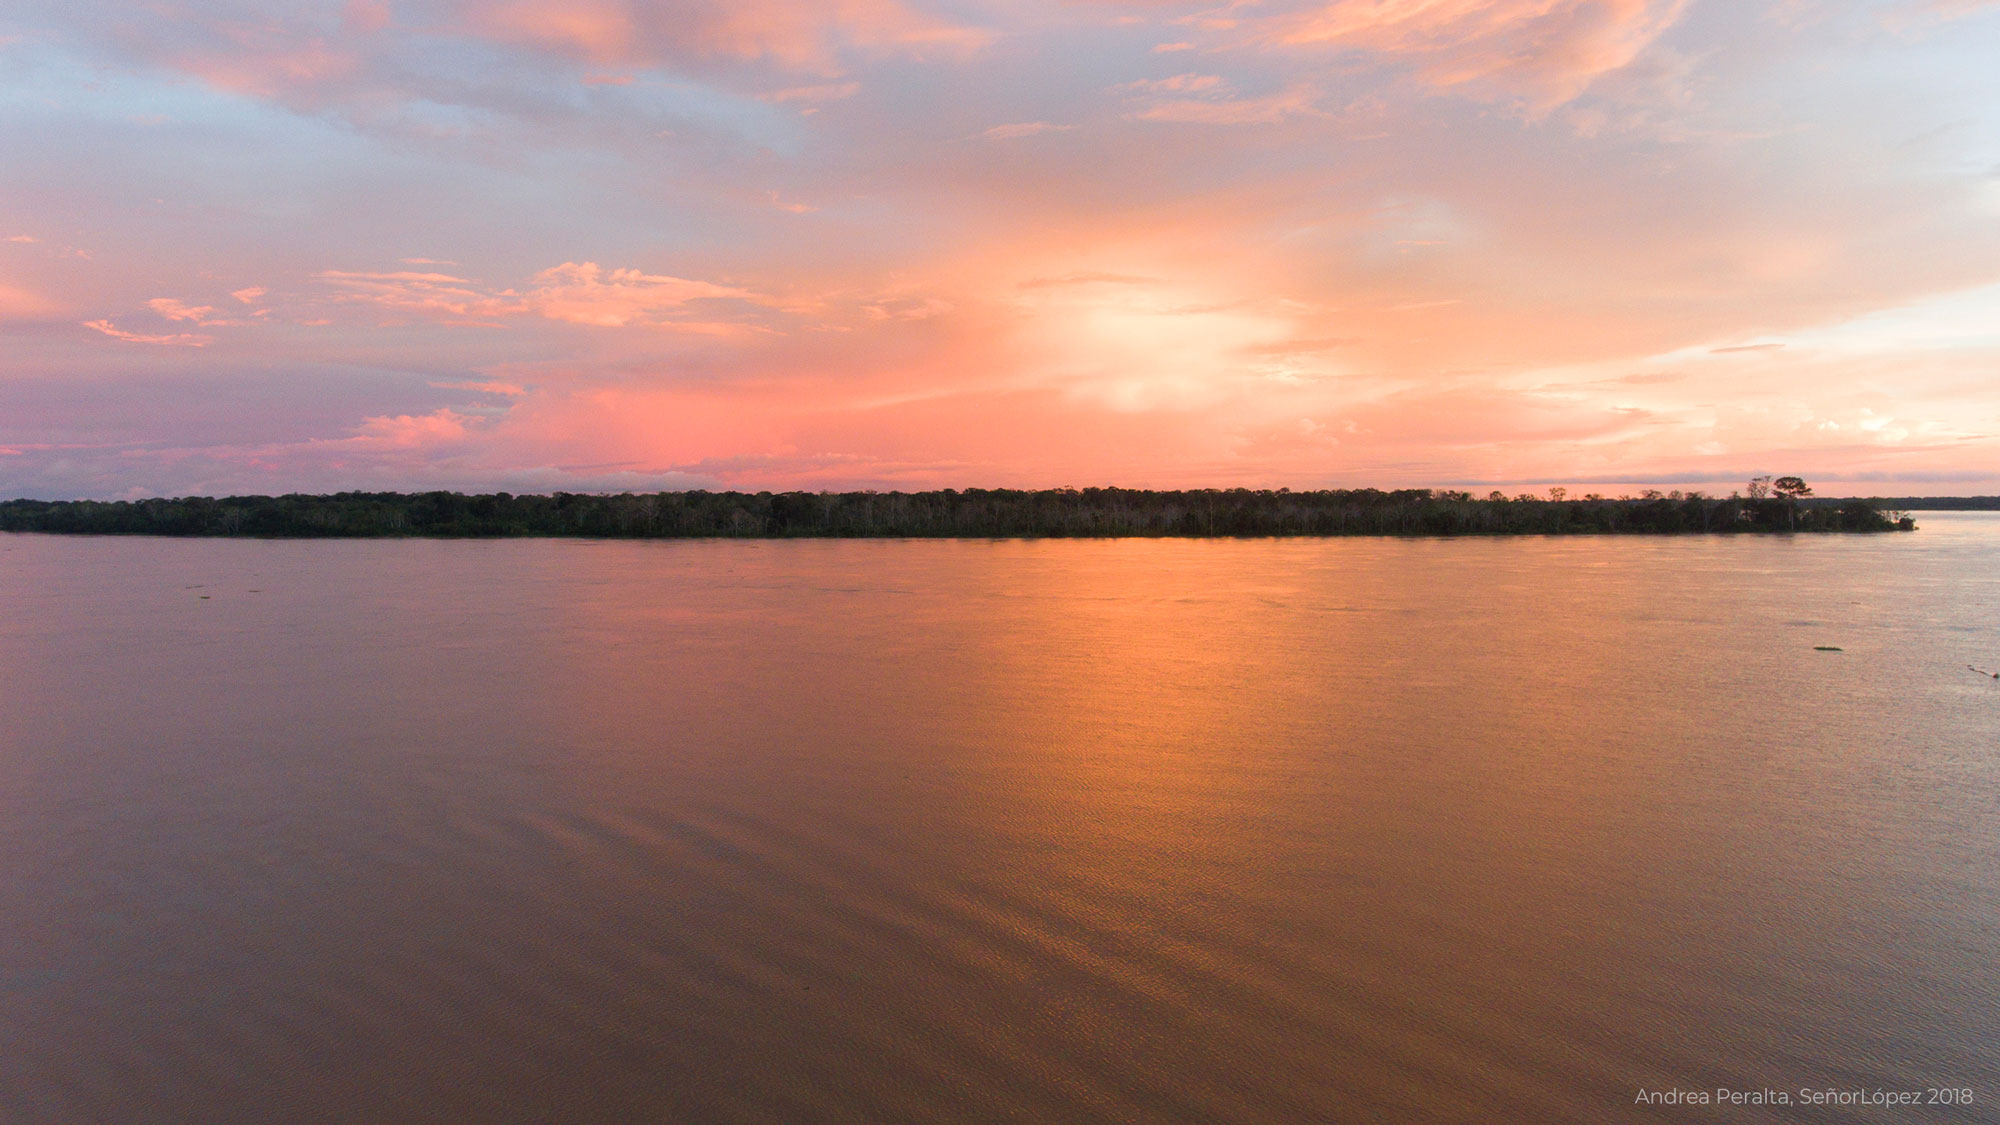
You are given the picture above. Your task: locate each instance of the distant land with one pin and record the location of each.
(970, 513)
(1936, 503)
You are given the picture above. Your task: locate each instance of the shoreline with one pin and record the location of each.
(1096, 513)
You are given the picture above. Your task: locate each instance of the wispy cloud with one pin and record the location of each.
(801, 35)
(575, 292)
(1018, 129)
(586, 293)
(1208, 99)
(1546, 51)
(1178, 84)
(812, 95)
(410, 291)
(203, 316)
(179, 339)
(483, 386)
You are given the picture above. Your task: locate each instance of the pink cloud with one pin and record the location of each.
(430, 294)
(17, 303)
(812, 95)
(805, 35)
(1953, 9)
(1547, 51)
(484, 386)
(367, 16)
(1216, 103)
(407, 431)
(1023, 129)
(269, 60)
(182, 340)
(202, 315)
(1178, 84)
(601, 30)
(574, 292)
(586, 293)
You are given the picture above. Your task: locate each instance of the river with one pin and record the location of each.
(1507, 829)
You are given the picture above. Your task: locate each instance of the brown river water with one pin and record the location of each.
(1046, 831)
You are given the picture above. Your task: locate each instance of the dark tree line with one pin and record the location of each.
(1937, 503)
(973, 512)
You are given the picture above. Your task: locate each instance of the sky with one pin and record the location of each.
(588, 245)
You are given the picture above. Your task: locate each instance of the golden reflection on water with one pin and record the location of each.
(1119, 830)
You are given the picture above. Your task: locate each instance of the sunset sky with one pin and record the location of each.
(250, 246)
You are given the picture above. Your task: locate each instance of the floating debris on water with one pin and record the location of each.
(1828, 648)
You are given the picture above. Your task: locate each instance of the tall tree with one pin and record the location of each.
(1793, 489)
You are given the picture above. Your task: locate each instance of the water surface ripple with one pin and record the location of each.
(1132, 830)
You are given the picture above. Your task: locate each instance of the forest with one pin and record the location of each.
(971, 513)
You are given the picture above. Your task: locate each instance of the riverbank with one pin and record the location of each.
(948, 513)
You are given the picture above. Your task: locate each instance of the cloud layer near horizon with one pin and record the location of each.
(916, 243)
